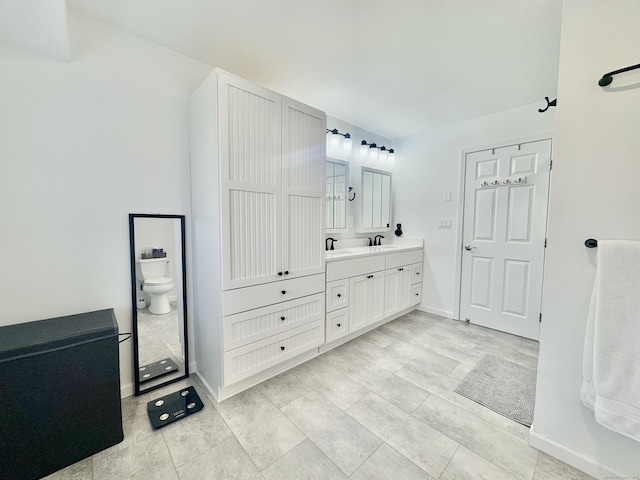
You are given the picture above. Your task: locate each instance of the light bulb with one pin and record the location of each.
(373, 152)
(382, 156)
(347, 144)
(364, 149)
(391, 156)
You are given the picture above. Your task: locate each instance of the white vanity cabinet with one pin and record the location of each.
(370, 289)
(257, 183)
(401, 268)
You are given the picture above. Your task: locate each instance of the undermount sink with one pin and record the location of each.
(339, 252)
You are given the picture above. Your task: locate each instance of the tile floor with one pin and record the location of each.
(382, 406)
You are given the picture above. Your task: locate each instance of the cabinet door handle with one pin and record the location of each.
(369, 276)
(282, 348)
(284, 291)
(282, 318)
(339, 295)
(338, 324)
(401, 269)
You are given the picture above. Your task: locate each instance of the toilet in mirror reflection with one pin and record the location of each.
(152, 275)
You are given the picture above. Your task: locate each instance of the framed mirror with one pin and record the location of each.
(374, 208)
(336, 194)
(159, 300)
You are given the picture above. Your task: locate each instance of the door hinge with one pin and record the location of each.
(550, 164)
(540, 318)
(545, 243)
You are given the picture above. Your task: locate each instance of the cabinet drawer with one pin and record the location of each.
(256, 357)
(337, 324)
(416, 273)
(249, 298)
(337, 294)
(247, 327)
(355, 267)
(416, 294)
(403, 258)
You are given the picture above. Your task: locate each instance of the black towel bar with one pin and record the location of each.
(591, 243)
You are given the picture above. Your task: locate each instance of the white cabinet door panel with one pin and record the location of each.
(250, 182)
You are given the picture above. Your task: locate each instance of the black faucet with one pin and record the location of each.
(370, 242)
(326, 243)
(378, 239)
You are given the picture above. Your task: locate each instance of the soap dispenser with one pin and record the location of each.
(398, 231)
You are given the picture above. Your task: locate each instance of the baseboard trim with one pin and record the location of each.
(571, 457)
(126, 390)
(435, 311)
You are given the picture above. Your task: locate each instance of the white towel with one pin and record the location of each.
(611, 368)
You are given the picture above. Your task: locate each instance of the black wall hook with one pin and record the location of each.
(591, 243)
(551, 103)
(351, 199)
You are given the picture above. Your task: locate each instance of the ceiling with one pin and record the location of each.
(390, 67)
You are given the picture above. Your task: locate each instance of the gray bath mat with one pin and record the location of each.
(505, 387)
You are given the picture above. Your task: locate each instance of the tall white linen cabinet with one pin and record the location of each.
(257, 183)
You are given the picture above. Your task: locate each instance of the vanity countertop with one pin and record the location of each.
(352, 252)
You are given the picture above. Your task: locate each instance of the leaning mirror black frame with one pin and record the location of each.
(134, 305)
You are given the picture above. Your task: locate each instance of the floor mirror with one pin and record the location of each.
(159, 300)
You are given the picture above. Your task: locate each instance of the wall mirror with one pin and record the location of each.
(336, 194)
(159, 300)
(374, 212)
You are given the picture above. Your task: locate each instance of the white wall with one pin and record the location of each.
(83, 144)
(594, 194)
(427, 165)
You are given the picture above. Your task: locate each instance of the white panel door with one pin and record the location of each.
(303, 183)
(504, 228)
(250, 182)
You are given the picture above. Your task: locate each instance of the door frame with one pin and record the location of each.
(460, 214)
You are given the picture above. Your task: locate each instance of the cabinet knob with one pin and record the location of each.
(338, 324)
(279, 274)
(369, 276)
(286, 272)
(339, 295)
(401, 269)
(417, 273)
(282, 348)
(417, 294)
(282, 318)
(284, 291)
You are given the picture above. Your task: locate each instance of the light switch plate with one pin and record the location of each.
(447, 195)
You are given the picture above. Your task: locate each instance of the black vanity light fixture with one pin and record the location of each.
(607, 78)
(336, 140)
(373, 152)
